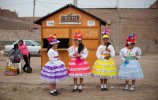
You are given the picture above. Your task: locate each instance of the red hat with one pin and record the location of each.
(52, 39)
(78, 35)
(130, 39)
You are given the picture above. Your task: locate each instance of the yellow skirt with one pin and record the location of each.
(104, 68)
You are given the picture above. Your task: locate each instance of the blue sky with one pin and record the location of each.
(24, 8)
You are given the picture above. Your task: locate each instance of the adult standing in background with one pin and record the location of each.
(26, 55)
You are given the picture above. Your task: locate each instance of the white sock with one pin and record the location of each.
(105, 86)
(75, 87)
(133, 86)
(102, 86)
(80, 87)
(53, 91)
(126, 87)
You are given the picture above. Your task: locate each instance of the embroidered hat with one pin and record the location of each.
(106, 33)
(52, 39)
(131, 39)
(78, 35)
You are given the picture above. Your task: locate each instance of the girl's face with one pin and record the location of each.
(20, 43)
(105, 40)
(55, 46)
(76, 41)
(130, 46)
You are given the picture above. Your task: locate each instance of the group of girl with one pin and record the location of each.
(104, 67)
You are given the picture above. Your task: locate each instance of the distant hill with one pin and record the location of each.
(11, 21)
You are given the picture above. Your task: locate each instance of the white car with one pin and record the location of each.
(33, 47)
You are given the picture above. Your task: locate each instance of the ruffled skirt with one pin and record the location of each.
(104, 69)
(54, 73)
(130, 70)
(78, 68)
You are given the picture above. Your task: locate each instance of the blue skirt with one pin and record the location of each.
(130, 70)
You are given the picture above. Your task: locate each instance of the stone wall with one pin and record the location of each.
(8, 36)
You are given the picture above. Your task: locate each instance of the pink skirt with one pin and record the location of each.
(78, 68)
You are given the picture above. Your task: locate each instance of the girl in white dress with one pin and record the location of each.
(54, 70)
(78, 66)
(130, 68)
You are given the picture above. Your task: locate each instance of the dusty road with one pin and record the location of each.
(30, 87)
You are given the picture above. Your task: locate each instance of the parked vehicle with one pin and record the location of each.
(33, 47)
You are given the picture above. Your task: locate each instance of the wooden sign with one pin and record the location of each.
(91, 23)
(70, 18)
(50, 23)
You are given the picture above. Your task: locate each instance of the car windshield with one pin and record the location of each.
(29, 43)
(37, 44)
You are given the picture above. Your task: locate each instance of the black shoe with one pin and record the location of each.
(57, 92)
(105, 89)
(79, 90)
(24, 69)
(74, 90)
(102, 89)
(54, 94)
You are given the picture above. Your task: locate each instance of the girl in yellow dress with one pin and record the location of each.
(104, 67)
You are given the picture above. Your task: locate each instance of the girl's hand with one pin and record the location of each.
(136, 57)
(75, 54)
(78, 55)
(106, 57)
(58, 58)
(107, 49)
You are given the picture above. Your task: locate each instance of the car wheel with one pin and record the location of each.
(39, 53)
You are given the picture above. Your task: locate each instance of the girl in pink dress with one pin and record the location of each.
(78, 66)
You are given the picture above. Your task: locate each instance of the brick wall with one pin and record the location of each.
(142, 22)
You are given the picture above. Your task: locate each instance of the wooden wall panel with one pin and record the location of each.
(91, 57)
(44, 58)
(91, 44)
(91, 33)
(61, 32)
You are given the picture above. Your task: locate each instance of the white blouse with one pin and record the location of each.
(53, 60)
(125, 52)
(102, 50)
(72, 50)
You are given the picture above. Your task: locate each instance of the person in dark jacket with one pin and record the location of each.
(14, 54)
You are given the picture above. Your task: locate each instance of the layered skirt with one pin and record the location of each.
(78, 68)
(54, 72)
(130, 70)
(104, 69)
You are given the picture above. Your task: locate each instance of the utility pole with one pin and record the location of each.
(75, 2)
(34, 4)
(118, 29)
(117, 3)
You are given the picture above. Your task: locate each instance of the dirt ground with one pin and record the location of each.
(29, 86)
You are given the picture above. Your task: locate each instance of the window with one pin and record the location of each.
(64, 43)
(29, 43)
(36, 43)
